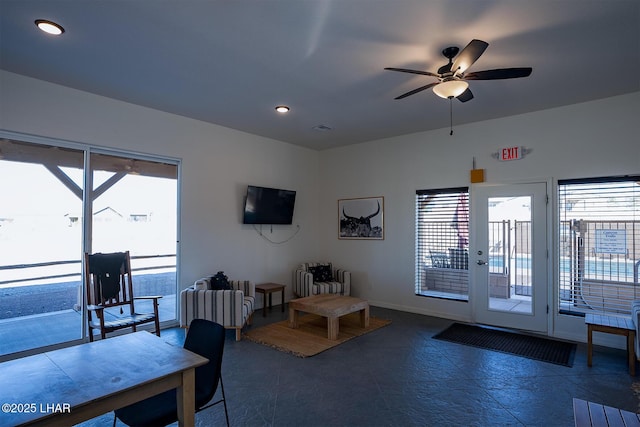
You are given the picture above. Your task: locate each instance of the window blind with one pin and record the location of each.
(442, 243)
(599, 245)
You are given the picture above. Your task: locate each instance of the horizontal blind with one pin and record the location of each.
(442, 242)
(599, 253)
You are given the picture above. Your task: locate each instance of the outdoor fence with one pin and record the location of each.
(599, 263)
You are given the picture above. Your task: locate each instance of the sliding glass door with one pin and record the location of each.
(40, 245)
(44, 232)
(133, 208)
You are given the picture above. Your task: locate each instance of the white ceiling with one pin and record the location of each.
(230, 62)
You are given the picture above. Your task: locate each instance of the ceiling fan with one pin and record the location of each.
(452, 80)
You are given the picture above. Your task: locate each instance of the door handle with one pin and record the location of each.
(481, 262)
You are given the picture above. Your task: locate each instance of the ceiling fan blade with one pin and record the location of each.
(420, 89)
(465, 96)
(469, 55)
(500, 73)
(405, 70)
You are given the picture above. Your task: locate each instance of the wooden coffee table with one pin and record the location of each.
(330, 306)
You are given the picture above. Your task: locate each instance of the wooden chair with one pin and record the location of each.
(109, 286)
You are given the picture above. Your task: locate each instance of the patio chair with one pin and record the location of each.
(205, 338)
(110, 299)
(439, 259)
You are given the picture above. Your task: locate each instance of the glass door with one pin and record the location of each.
(509, 256)
(41, 195)
(134, 208)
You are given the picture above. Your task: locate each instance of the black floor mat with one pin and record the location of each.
(532, 347)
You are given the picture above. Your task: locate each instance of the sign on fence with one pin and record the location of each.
(611, 241)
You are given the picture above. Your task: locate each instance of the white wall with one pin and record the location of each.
(217, 165)
(592, 139)
(586, 140)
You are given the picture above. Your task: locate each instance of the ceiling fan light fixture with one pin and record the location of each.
(49, 27)
(450, 89)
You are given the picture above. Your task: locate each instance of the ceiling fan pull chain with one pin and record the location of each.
(451, 114)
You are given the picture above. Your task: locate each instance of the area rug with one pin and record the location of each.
(311, 337)
(531, 347)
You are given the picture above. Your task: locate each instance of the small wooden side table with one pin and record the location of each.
(611, 325)
(268, 289)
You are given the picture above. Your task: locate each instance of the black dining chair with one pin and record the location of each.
(205, 338)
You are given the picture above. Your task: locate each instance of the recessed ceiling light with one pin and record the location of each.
(282, 109)
(49, 27)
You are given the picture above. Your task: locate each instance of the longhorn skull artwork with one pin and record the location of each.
(360, 227)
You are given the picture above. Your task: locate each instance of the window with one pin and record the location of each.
(599, 253)
(442, 243)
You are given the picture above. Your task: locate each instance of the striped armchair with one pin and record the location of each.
(305, 284)
(635, 318)
(230, 308)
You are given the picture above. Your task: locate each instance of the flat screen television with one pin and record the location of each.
(268, 205)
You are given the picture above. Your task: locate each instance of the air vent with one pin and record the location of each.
(322, 128)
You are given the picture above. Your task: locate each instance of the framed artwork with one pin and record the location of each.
(361, 218)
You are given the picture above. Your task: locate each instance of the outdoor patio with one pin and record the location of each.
(40, 330)
(40, 315)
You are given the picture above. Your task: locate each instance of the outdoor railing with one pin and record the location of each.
(46, 287)
(76, 274)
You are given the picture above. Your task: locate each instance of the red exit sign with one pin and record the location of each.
(511, 153)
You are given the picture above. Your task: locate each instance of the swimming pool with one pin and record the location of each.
(595, 268)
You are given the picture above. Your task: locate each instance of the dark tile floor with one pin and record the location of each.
(400, 376)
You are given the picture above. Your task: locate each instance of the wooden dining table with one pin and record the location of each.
(74, 384)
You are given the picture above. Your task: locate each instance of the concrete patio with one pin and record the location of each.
(24, 333)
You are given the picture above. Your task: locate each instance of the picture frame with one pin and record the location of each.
(361, 218)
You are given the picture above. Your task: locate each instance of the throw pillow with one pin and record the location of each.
(325, 272)
(220, 282)
(321, 273)
(316, 273)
